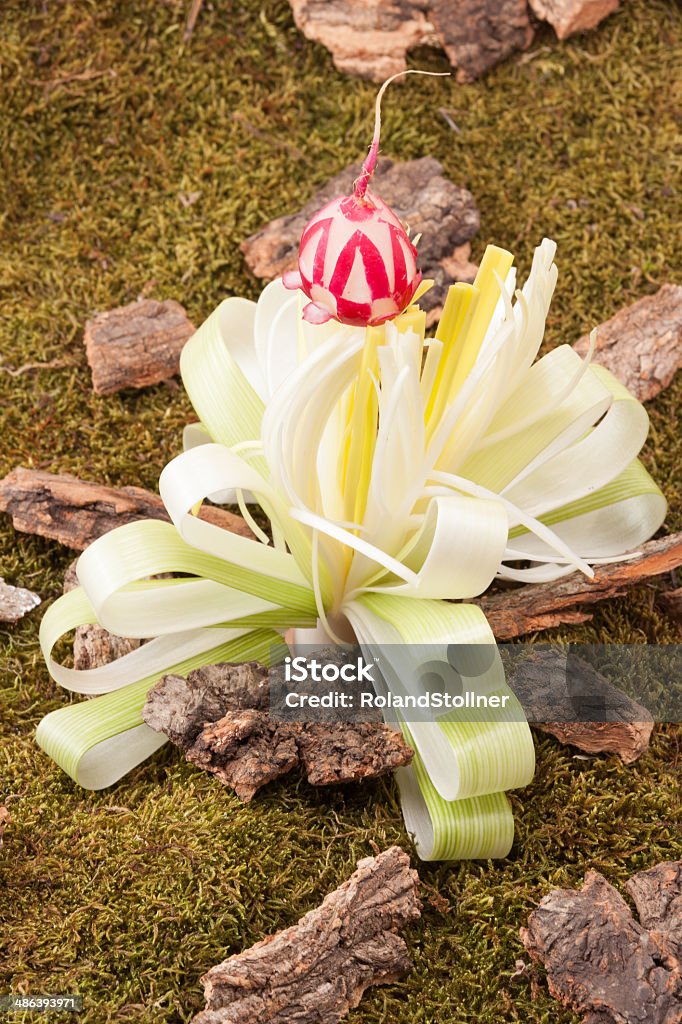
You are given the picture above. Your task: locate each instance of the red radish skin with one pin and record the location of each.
(356, 262)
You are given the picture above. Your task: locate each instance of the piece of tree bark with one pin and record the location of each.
(443, 213)
(136, 345)
(319, 969)
(15, 602)
(93, 645)
(75, 512)
(558, 696)
(642, 344)
(657, 893)
(535, 607)
(627, 739)
(221, 718)
(459, 267)
(569, 16)
(600, 961)
(477, 34)
(369, 38)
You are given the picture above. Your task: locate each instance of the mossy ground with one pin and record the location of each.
(106, 124)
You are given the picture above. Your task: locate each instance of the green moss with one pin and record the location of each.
(129, 895)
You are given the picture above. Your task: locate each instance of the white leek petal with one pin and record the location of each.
(282, 338)
(345, 537)
(609, 522)
(224, 398)
(591, 462)
(192, 436)
(516, 515)
(271, 301)
(545, 572)
(188, 479)
(236, 320)
(298, 412)
(148, 548)
(456, 552)
(520, 426)
(74, 609)
(506, 462)
(282, 349)
(154, 608)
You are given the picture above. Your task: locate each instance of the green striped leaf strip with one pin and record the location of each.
(476, 828)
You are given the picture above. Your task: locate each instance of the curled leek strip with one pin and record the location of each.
(398, 473)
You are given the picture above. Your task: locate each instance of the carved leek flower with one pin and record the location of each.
(399, 474)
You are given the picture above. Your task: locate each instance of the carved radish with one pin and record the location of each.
(356, 262)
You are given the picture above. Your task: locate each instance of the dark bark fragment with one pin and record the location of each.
(369, 38)
(15, 602)
(642, 344)
(534, 607)
(600, 961)
(93, 645)
(445, 215)
(550, 696)
(350, 752)
(75, 512)
(136, 345)
(220, 717)
(569, 16)
(319, 969)
(477, 34)
(658, 897)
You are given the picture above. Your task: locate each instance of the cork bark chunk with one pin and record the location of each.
(530, 608)
(444, 213)
(544, 686)
(658, 897)
(369, 38)
(478, 34)
(93, 645)
(599, 960)
(220, 718)
(15, 602)
(642, 344)
(319, 969)
(569, 16)
(629, 740)
(75, 512)
(136, 345)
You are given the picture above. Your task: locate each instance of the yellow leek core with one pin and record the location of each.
(466, 317)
